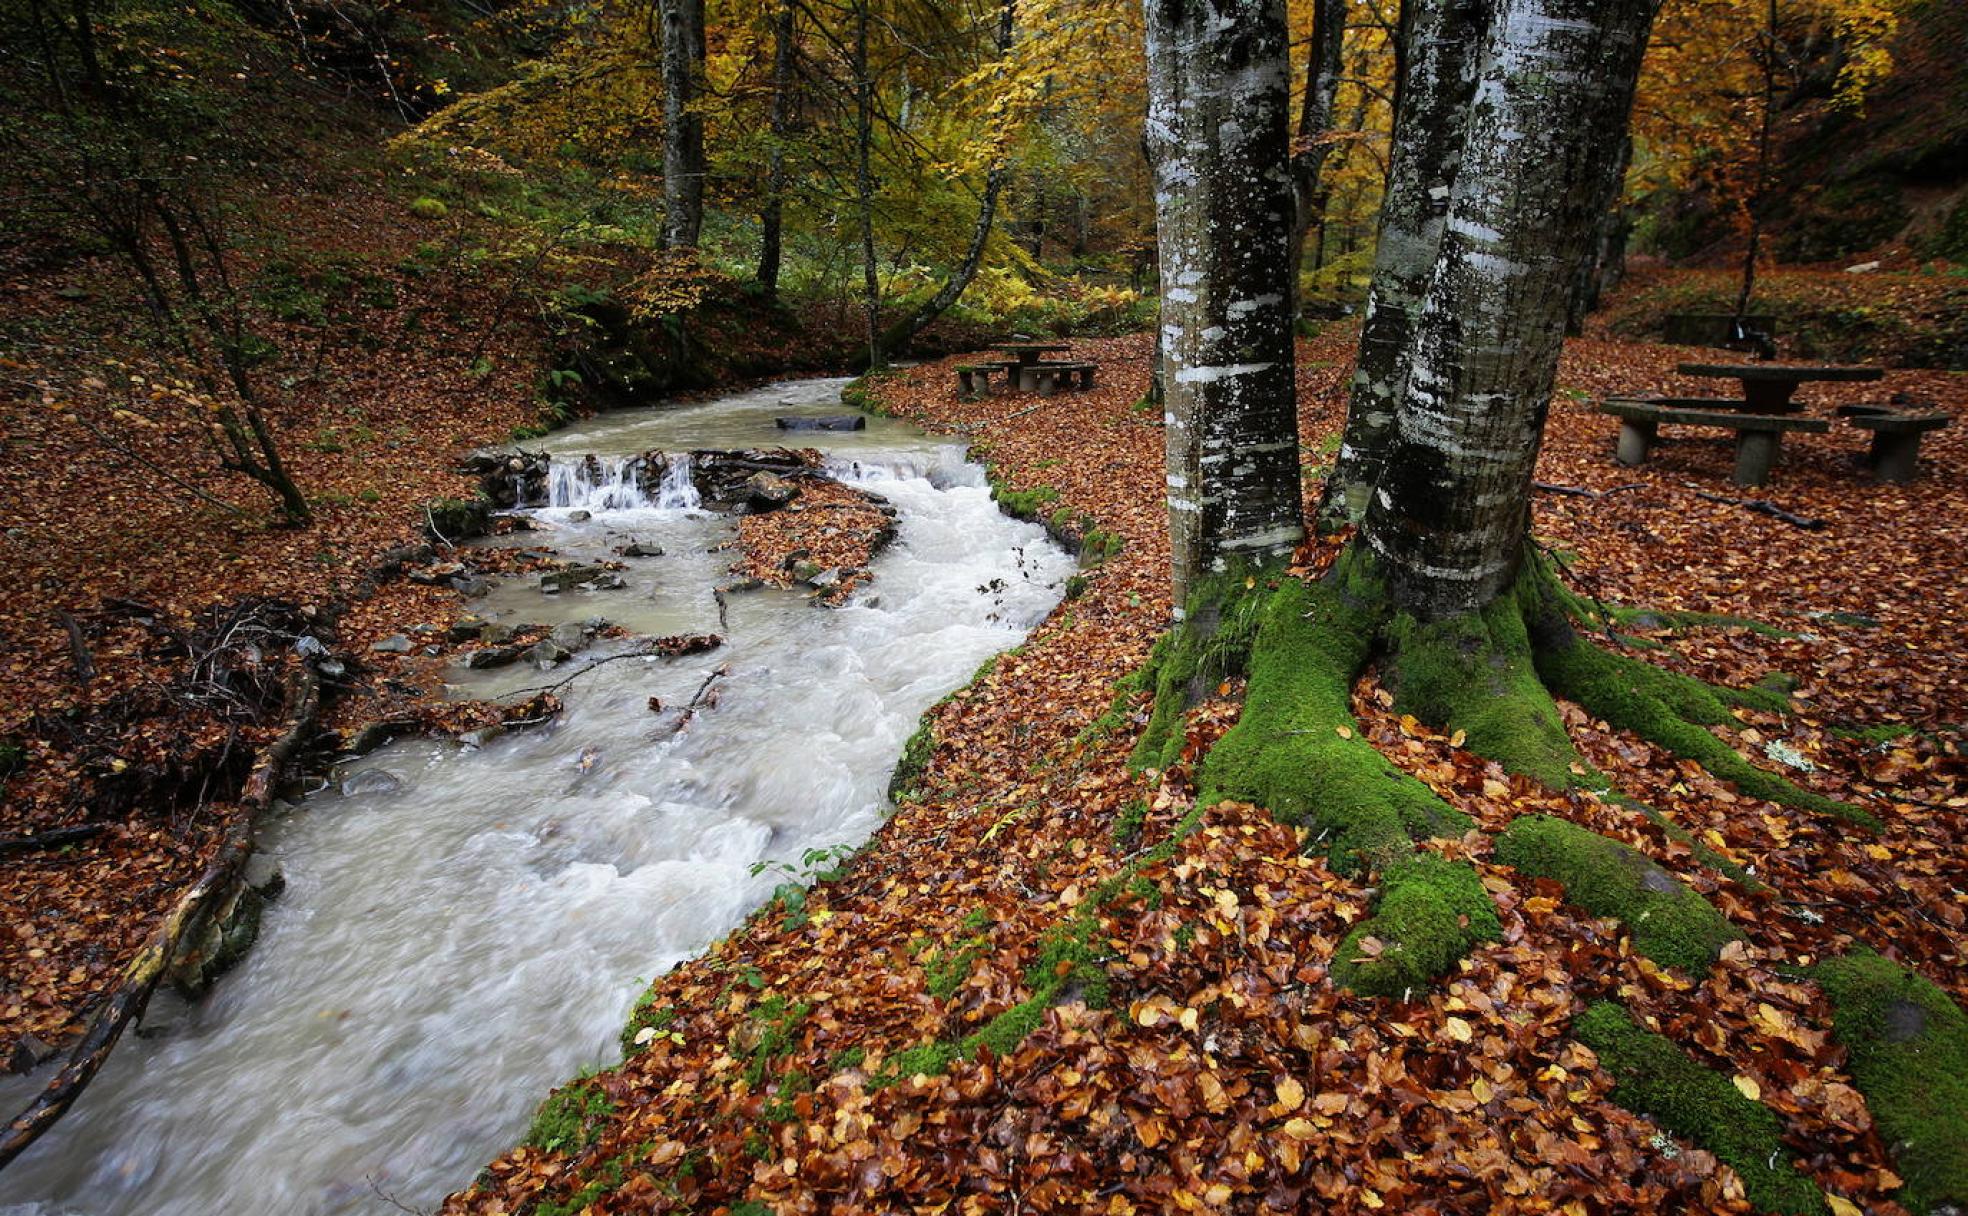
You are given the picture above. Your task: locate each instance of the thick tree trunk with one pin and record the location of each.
(1315, 121)
(1440, 40)
(772, 214)
(1218, 97)
(902, 332)
(1450, 509)
(683, 125)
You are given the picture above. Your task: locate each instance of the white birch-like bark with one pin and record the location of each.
(1450, 508)
(1217, 138)
(683, 125)
(1440, 41)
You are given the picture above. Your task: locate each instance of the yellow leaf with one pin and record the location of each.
(1299, 1129)
(1841, 1206)
(1344, 732)
(1459, 1030)
(1750, 1089)
(1291, 1095)
(1456, 739)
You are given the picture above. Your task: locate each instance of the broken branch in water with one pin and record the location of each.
(673, 647)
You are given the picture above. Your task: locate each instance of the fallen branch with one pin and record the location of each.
(126, 1001)
(1582, 492)
(659, 648)
(688, 712)
(53, 838)
(78, 648)
(1764, 506)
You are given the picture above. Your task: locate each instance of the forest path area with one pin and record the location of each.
(1048, 985)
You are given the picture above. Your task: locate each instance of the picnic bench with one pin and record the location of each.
(1896, 435)
(1026, 371)
(1759, 436)
(1769, 388)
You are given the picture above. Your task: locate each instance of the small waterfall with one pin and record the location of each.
(678, 492)
(597, 485)
(943, 467)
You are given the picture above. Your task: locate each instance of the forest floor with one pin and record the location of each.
(1008, 1002)
(1196, 1058)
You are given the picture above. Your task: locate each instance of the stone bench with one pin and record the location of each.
(1896, 437)
(1758, 436)
(1051, 377)
(974, 379)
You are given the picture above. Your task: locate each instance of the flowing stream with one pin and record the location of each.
(448, 950)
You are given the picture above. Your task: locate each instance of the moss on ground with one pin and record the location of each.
(1431, 911)
(1668, 922)
(1657, 1079)
(1296, 749)
(570, 1119)
(1909, 1056)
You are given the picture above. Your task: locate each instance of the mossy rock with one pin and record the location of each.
(1669, 923)
(1431, 911)
(1655, 1078)
(1909, 1057)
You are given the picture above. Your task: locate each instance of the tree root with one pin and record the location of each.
(1668, 921)
(1431, 912)
(1909, 1056)
(1657, 1079)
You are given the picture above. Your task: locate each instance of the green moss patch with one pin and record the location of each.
(1669, 923)
(1657, 1079)
(1212, 643)
(1475, 673)
(1431, 911)
(1296, 749)
(1674, 710)
(1909, 1056)
(570, 1119)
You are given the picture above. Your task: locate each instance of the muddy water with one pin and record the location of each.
(448, 950)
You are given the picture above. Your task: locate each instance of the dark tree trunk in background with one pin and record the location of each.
(1315, 120)
(1440, 41)
(1600, 266)
(772, 215)
(1218, 114)
(683, 125)
(1761, 184)
(900, 334)
(1449, 511)
(864, 183)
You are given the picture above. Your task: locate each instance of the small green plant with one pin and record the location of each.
(569, 1120)
(428, 208)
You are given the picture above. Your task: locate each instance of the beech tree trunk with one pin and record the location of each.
(1218, 117)
(864, 183)
(1439, 41)
(683, 125)
(1450, 508)
(772, 214)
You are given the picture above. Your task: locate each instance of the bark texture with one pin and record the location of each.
(1448, 512)
(1315, 121)
(772, 213)
(1440, 42)
(683, 125)
(1218, 103)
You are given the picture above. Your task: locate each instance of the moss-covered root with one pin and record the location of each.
(1475, 673)
(1909, 1055)
(1296, 749)
(1668, 922)
(1431, 912)
(1671, 710)
(1657, 1079)
(1210, 643)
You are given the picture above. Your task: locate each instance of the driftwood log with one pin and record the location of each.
(126, 1002)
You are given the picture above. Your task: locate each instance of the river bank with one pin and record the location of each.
(1051, 983)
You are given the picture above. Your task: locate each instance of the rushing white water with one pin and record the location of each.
(448, 951)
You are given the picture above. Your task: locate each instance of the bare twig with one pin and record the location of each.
(1764, 506)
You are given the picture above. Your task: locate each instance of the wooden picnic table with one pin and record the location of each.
(1029, 371)
(1768, 388)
